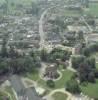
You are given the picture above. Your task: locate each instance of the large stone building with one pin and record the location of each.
(51, 72)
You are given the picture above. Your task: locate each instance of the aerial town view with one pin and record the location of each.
(48, 49)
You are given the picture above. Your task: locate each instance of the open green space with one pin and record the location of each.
(72, 12)
(59, 96)
(91, 89)
(93, 9)
(33, 76)
(15, 5)
(66, 75)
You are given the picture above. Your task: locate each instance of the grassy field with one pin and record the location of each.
(72, 12)
(66, 75)
(93, 9)
(59, 96)
(91, 90)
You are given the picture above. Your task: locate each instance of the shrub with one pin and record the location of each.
(50, 83)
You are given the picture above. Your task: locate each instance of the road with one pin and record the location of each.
(41, 31)
(42, 35)
(43, 43)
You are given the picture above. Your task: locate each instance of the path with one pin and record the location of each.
(62, 90)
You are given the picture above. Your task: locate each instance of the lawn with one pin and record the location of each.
(91, 89)
(33, 76)
(66, 75)
(59, 96)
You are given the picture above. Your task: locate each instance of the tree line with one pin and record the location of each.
(12, 61)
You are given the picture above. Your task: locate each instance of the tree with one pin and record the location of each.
(4, 52)
(86, 51)
(85, 3)
(35, 55)
(29, 64)
(44, 54)
(3, 67)
(91, 62)
(96, 73)
(72, 86)
(85, 72)
(35, 8)
(51, 83)
(90, 49)
(13, 53)
(17, 65)
(58, 53)
(80, 35)
(91, 77)
(76, 61)
(5, 7)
